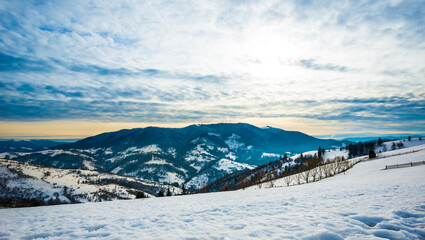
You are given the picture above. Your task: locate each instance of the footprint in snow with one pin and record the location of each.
(237, 226)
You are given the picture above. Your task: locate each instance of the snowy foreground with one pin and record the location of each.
(364, 203)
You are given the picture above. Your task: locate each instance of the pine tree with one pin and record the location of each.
(319, 152)
(184, 191)
(161, 193)
(380, 141)
(169, 193)
(141, 194)
(410, 139)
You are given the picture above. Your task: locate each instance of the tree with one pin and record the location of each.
(161, 193)
(169, 194)
(141, 194)
(306, 176)
(288, 180)
(321, 171)
(372, 154)
(224, 187)
(410, 139)
(319, 152)
(298, 178)
(380, 141)
(184, 190)
(271, 183)
(314, 173)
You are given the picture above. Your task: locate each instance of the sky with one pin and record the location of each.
(71, 69)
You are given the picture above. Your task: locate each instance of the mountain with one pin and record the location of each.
(26, 145)
(23, 184)
(195, 155)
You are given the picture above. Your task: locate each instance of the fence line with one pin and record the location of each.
(397, 154)
(403, 165)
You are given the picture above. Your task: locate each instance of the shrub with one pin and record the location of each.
(372, 154)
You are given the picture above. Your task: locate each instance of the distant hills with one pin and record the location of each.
(26, 145)
(195, 155)
(364, 137)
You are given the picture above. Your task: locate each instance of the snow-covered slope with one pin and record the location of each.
(23, 183)
(331, 153)
(219, 169)
(301, 162)
(364, 203)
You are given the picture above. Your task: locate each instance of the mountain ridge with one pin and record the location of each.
(194, 155)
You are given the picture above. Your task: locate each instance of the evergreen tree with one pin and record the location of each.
(169, 194)
(161, 193)
(410, 139)
(141, 194)
(393, 146)
(380, 141)
(352, 150)
(184, 191)
(319, 152)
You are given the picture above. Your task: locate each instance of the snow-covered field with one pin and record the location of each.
(364, 203)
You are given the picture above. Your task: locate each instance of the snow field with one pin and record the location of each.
(364, 203)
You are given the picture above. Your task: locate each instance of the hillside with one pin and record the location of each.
(364, 203)
(195, 155)
(294, 165)
(24, 184)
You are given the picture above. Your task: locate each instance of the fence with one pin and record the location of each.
(411, 164)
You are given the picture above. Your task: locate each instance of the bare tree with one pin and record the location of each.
(271, 183)
(321, 171)
(288, 180)
(333, 168)
(326, 170)
(298, 178)
(306, 175)
(314, 173)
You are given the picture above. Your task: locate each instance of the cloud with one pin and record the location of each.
(13, 64)
(311, 64)
(203, 61)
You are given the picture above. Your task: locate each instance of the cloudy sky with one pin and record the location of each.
(70, 69)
